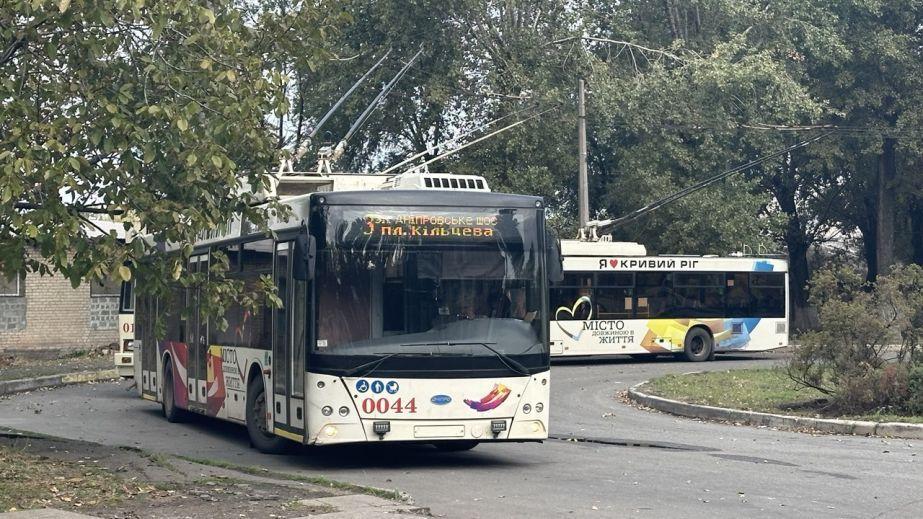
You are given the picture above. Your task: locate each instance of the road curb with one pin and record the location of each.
(8, 387)
(792, 423)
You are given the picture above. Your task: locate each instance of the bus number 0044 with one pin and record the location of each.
(383, 405)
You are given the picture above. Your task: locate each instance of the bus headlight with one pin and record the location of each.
(539, 407)
(344, 411)
(527, 409)
(326, 410)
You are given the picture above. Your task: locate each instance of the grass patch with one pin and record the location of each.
(33, 481)
(765, 390)
(314, 480)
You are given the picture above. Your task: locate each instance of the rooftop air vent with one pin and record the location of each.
(439, 181)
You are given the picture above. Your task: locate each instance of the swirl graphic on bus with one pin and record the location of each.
(492, 400)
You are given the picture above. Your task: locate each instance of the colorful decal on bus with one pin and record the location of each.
(214, 381)
(492, 400)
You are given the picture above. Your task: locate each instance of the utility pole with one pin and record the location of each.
(582, 182)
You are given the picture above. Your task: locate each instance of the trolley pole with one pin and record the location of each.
(582, 182)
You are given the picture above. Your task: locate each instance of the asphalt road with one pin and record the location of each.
(638, 464)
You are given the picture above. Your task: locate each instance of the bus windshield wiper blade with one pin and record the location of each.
(508, 361)
(371, 365)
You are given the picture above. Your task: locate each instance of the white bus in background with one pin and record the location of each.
(411, 314)
(124, 358)
(617, 300)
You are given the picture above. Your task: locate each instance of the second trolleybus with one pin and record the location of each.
(615, 299)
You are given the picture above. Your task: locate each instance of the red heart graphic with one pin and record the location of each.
(614, 263)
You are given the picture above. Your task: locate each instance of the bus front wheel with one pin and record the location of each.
(257, 417)
(699, 346)
(172, 413)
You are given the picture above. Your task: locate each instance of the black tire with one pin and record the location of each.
(257, 428)
(456, 445)
(698, 346)
(172, 413)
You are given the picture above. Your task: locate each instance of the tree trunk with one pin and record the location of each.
(916, 230)
(886, 203)
(804, 317)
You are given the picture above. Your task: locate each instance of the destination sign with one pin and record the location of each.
(415, 225)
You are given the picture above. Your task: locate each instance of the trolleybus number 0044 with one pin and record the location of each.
(383, 405)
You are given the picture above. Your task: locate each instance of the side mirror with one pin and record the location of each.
(554, 261)
(305, 252)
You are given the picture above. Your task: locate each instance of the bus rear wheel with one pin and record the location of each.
(257, 415)
(172, 413)
(698, 346)
(456, 445)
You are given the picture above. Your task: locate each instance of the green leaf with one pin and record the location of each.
(63, 5)
(182, 124)
(125, 273)
(216, 160)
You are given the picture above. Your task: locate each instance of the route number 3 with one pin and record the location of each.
(383, 405)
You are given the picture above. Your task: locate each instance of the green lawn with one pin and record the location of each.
(767, 390)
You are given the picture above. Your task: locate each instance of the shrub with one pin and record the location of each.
(867, 353)
(914, 403)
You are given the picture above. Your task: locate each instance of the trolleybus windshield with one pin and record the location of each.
(432, 289)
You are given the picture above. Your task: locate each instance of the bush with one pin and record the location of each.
(914, 404)
(867, 354)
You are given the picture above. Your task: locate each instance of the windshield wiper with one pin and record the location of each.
(508, 361)
(361, 371)
(372, 366)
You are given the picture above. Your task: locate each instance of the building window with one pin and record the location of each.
(10, 287)
(105, 288)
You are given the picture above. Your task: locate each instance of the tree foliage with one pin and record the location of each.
(152, 114)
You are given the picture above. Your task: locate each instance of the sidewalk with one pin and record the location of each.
(42, 477)
(23, 374)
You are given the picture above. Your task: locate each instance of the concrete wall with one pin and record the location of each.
(50, 314)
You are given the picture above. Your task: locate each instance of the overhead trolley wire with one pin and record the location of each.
(611, 224)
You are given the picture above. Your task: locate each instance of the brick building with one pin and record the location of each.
(46, 314)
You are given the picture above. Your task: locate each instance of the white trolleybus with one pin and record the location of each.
(617, 300)
(124, 358)
(412, 315)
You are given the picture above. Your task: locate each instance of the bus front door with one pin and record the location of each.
(288, 348)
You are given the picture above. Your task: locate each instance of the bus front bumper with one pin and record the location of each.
(125, 364)
(427, 431)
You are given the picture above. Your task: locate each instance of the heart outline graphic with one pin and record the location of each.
(571, 312)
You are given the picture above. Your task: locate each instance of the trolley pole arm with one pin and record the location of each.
(300, 152)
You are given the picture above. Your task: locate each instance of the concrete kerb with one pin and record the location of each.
(793, 423)
(8, 387)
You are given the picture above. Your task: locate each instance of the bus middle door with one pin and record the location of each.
(288, 348)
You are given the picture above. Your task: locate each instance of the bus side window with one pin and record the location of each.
(614, 295)
(768, 292)
(656, 290)
(699, 294)
(567, 301)
(172, 317)
(737, 296)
